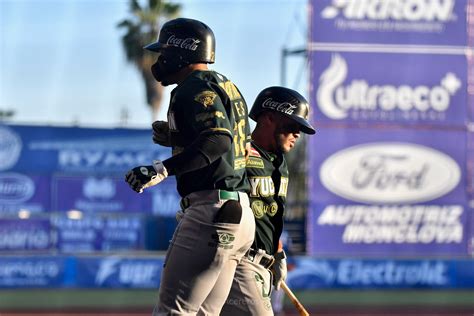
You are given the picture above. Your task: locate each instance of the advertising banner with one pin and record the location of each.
(119, 272)
(309, 273)
(403, 22)
(98, 194)
(47, 150)
(393, 192)
(34, 272)
(312, 273)
(98, 233)
(20, 191)
(408, 89)
(25, 234)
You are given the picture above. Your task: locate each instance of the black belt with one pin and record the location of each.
(266, 260)
(223, 195)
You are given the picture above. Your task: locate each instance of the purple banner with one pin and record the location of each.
(18, 191)
(25, 234)
(414, 22)
(98, 194)
(78, 151)
(388, 192)
(98, 233)
(389, 88)
(35, 272)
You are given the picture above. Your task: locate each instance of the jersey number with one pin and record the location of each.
(239, 138)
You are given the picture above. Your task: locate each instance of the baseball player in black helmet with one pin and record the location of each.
(281, 115)
(208, 131)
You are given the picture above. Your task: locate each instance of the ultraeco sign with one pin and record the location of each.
(390, 173)
(414, 22)
(393, 191)
(389, 88)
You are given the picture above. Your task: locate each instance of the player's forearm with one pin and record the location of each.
(204, 151)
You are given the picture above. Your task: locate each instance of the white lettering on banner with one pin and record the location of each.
(356, 272)
(73, 158)
(398, 234)
(29, 269)
(98, 188)
(390, 173)
(85, 223)
(16, 188)
(336, 100)
(410, 10)
(88, 206)
(396, 224)
(138, 273)
(10, 148)
(23, 239)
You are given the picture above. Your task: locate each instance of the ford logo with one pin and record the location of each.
(390, 173)
(15, 188)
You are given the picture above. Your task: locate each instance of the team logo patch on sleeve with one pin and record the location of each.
(206, 98)
(254, 162)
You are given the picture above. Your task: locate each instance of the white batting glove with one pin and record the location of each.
(279, 269)
(142, 177)
(161, 133)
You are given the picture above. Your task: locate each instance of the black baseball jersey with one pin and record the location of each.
(268, 177)
(206, 102)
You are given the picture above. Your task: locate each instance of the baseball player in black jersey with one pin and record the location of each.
(208, 131)
(281, 115)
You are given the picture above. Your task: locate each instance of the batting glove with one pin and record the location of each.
(142, 177)
(279, 269)
(161, 133)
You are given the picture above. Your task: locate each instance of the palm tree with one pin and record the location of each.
(142, 28)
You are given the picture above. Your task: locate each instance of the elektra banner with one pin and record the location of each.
(414, 22)
(409, 89)
(388, 192)
(314, 273)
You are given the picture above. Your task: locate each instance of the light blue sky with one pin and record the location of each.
(61, 61)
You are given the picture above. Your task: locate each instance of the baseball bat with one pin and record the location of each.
(301, 310)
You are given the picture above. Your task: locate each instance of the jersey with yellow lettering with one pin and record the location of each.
(268, 177)
(206, 102)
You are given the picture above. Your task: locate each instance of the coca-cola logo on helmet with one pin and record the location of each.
(283, 107)
(184, 43)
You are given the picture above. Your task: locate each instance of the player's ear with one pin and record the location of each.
(269, 117)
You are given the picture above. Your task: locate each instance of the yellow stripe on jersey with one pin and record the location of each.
(217, 129)
(231, 90)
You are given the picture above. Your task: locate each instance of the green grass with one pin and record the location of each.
(144, 299)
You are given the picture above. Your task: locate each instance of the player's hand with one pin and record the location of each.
(142, 177)
(161, 133)
(279, 269)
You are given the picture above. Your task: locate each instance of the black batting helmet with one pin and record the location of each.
(190, 40)
(285, 101)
